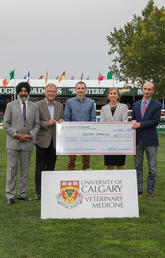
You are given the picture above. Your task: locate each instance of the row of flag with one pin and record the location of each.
(46, 77)
(6, 79)
(59, 78)
(108, 76)
(27, 77)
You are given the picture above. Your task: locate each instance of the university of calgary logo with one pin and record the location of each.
(69, 196)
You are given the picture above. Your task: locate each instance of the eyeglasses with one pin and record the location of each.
(51, 91)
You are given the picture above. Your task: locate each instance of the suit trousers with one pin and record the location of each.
(45, 161)
(151, 153)
(72, 160)
(12, 167)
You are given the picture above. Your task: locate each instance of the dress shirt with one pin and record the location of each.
(80, 110)
(26, 101)
(51, 109)
(147, 103)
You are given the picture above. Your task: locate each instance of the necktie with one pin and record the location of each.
(143, 109)
(24, 111)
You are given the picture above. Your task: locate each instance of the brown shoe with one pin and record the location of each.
(151, 195)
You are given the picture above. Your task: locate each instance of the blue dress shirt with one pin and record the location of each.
(80, 111)
(51, 109)
(147, 103)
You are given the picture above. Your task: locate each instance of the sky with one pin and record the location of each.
(61, 35)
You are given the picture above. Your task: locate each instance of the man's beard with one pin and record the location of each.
(23, 97)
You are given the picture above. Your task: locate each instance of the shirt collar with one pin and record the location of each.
(48, 102)
(20, 101)
(80, 100)
(147, 100)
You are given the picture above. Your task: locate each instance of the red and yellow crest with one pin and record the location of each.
(69, 191)
(69, 196)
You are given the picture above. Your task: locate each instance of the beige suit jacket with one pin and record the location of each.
(46, 132)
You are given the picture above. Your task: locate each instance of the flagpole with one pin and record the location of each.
(46, 78)
(14, 86)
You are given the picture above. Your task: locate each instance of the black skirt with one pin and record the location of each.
(114, 160)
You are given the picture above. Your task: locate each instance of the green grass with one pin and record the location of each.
(24, 235)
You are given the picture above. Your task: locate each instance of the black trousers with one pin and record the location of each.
(45, 161)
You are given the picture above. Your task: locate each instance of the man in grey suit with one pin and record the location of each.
(50, 112)
(21, 122)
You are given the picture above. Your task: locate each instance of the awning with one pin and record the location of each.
(69, 92)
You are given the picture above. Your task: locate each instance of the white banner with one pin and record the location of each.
(89, 194)
(95, 138)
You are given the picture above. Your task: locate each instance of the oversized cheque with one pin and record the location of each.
(95, 138)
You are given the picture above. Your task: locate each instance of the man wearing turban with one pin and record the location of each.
(21, 122)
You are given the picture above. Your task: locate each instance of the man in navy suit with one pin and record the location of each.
(146, 116)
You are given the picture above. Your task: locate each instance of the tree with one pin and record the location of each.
(138, 49)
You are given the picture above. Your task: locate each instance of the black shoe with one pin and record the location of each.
(10, 201)
(140, 192)
(37, 197)
(26, 198)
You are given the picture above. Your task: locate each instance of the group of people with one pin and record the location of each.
(24, 120)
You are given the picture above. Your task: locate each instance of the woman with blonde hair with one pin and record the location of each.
(114, 112)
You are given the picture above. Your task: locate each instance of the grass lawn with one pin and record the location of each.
(24, 234)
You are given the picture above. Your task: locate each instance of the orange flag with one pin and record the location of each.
(5, 83)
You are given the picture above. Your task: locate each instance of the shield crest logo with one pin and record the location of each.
(69, 196)
(69, 191)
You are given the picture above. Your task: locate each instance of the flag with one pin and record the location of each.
(46, 78)
(24, 77)
(72, 78)
(61, 77)
(28, 77)
(87, 78)
(81, 77)
(57, 77)
(5, 83)
(109, 75)
(41, 77)
(100, 78)
(12, 75)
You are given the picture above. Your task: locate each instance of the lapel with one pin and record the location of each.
(28, 109)
(139, 116)
(116, 111)
(55, 110)
(148, 109)
(109, 113)
(18, 106)
(18, 109)
(45, 109)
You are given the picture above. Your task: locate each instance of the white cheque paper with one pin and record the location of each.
(95, 138)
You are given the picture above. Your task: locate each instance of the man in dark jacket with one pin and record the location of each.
(146, 116)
